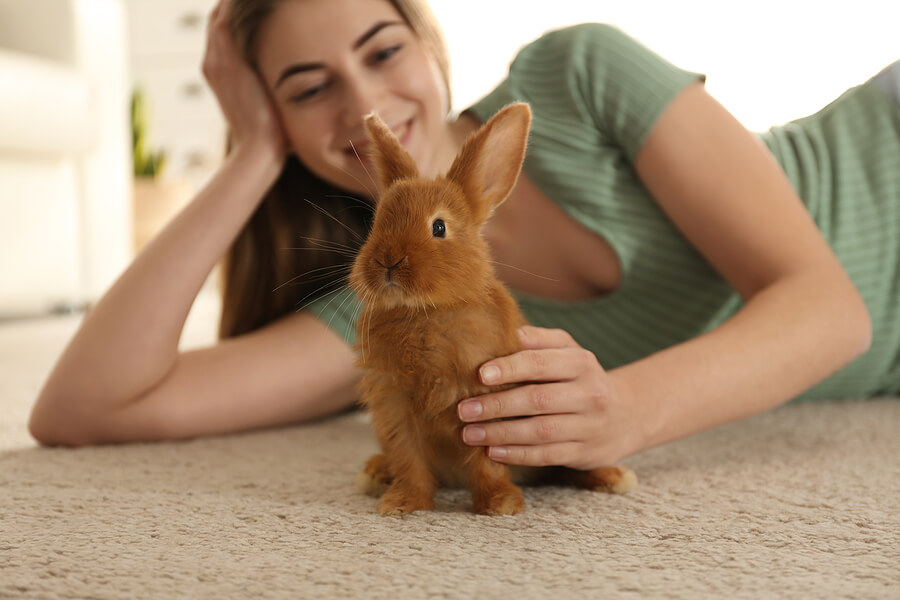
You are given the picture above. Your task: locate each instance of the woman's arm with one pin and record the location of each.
(293, 370)
(803, 319)
(122, 377)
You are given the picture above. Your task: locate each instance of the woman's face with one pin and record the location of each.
(328, 63)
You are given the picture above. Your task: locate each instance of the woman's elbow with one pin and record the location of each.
(51, 425)
(865, 331)
(859, 321)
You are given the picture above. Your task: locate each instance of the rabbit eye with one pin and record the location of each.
(438, 228)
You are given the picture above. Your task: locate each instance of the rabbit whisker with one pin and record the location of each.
(363, 164)
(524, 271)
(324, 276)
(333, 218)
(332, 269)
(361, 312)
(324, 243)
(367, 326)
(362, 203)
(344, 253)
(336, 293)
(362, 183)
(364, 330)
(350, 295)
(428, 293)
(313, 293)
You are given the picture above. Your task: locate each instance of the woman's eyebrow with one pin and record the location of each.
(372, 31)
(301, 67)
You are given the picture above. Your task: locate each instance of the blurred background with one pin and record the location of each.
(107, 127)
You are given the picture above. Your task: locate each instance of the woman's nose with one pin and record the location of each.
(363, 96)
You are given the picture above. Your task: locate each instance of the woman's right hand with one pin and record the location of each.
(247, 106)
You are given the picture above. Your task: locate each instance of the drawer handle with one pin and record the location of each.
(192, 20)
(196, 159)
(192, 89)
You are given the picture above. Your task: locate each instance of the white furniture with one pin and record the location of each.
(168, 39)
(65, 173)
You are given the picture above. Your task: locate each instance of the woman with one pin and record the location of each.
(674, 247)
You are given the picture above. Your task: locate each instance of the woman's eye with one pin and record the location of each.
(383, 55)
(307, 93)
(439, 228)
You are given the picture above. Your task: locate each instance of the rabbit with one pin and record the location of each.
(433, 313)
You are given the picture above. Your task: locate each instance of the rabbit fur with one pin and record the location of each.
(433, 313)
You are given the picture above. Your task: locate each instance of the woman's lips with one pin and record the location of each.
(403, 131)
(360, 149)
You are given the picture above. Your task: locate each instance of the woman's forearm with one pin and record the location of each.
(787, 338)
(129, 339)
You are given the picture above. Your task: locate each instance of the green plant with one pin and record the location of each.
(146, 163)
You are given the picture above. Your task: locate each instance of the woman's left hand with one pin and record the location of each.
(567, 411)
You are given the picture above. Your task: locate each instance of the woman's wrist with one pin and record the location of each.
(259, 157)
(647, 423)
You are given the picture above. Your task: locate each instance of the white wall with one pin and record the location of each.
(767, 61)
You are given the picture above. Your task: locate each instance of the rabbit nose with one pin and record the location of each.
(389, 269)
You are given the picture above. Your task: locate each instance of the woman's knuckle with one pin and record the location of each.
(538, 361)
(496, 407)
(540, 399)
(564, 335)
(587, 358)
(501, 435)
(598, 401)
(545, 430)
(546, 456)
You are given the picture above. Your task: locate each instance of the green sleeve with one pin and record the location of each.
(339, 311)
(598, 74)
(628, 86)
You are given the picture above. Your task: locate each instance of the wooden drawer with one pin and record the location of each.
(176, 90)
(168, 26)
(190, 145)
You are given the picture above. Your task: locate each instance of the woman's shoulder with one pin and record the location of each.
(559, 70)
(595, 74)
(581, 42)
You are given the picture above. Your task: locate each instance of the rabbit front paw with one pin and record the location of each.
(505, 500)
(401, 500)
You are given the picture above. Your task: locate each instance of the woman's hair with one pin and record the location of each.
(285, 256)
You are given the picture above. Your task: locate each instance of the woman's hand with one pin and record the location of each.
(568, 412)
(246, 104)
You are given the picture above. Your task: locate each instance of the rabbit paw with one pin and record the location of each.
(375, 478)
(502, 502)
(400, 501)
(618, 480)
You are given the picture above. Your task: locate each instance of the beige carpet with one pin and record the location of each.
(803, 502)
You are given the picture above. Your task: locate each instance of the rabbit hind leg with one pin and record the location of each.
(616, 480)
(375, 477)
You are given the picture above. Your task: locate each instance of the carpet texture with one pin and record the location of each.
(802, 502)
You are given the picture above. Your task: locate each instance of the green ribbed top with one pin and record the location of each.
(595, 94)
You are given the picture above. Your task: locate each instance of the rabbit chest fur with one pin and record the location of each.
(415, 380)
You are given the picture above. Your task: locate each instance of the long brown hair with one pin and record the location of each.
(263, 277)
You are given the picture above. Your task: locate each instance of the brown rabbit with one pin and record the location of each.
(434, 312)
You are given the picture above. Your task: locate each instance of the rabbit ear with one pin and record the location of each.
(488, 165)
(391, 160)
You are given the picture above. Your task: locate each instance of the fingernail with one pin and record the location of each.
(470, 409)
(473, 434)
(497, 452)
(521, 332)
(490, 374)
